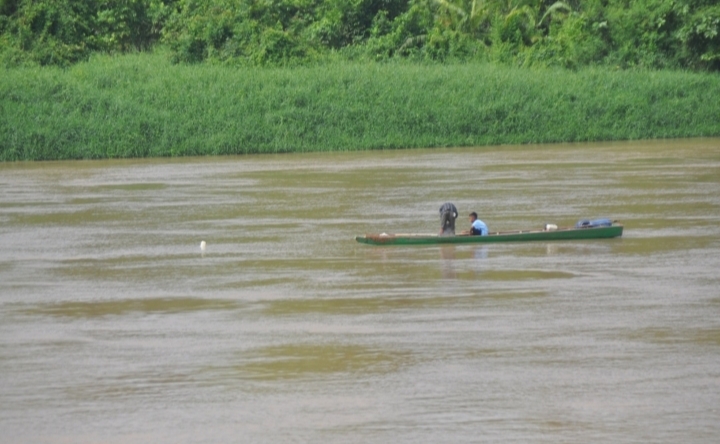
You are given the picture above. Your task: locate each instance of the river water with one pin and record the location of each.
(116, 328)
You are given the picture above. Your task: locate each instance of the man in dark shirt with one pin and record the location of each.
(448, 214)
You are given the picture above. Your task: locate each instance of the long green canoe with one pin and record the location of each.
(614, 230)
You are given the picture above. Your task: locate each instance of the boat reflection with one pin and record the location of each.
(447, 253)
(481, 252)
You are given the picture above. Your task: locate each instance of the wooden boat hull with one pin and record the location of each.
(507, 236)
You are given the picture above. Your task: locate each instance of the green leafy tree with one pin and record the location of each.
(124, 25)
(405, 36)
(341, 23)
(46, 32)
(61, 32)
(248, 31)
(657, 34)
(699, 35)
(640, 33)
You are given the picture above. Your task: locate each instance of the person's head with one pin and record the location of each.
(473, 216)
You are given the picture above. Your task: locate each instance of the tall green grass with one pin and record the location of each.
(140, 105)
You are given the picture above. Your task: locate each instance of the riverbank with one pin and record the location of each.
(142, 106)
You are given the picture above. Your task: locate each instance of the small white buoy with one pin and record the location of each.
(202, 245)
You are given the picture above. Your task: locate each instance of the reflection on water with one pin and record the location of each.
(447, 253)
(115, 326)
(481, 252)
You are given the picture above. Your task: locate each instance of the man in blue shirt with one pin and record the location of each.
(477, 227)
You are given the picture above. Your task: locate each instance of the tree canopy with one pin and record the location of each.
(654, 34)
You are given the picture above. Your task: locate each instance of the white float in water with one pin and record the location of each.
(202, 245)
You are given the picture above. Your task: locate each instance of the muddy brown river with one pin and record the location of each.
(115, 327)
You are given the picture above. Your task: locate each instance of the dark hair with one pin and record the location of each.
(474, 214)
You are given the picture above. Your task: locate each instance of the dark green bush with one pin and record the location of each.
(647, 34)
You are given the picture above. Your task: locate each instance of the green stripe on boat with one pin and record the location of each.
(503, 236)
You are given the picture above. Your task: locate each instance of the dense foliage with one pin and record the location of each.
(676, 34)
(141, 105)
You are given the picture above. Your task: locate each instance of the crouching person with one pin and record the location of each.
(448, 214)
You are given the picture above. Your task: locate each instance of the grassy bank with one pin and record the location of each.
(140, 105)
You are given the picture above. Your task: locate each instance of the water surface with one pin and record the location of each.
(115, 327)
